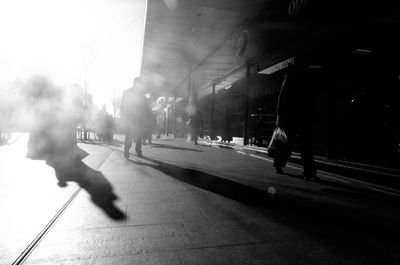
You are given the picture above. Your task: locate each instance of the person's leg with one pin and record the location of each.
(138, 145)
(195, 136)
(128, 143)
(158, 133)
(307, 156)
(191, 131)
(279, 163)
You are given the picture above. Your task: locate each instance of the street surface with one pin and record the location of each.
(185, 204)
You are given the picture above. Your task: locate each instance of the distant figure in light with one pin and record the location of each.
(135, 113)
(105, 125)
(195, 121)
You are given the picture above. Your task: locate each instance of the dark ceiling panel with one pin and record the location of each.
(182, 36)
(199, 38)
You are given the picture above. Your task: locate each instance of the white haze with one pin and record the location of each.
(93, 43)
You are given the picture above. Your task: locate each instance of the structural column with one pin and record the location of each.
(247, 107)
(189, 98)
(212, 133)
(173, 116)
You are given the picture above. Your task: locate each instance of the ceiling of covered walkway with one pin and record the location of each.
(184, 36)
(195, 43)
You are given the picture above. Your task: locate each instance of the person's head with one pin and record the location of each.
(137, 81)
(138, 84)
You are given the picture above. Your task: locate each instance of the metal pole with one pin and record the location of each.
(190, 89)
(189, 98)
(212, 133)
(247, 107)
(173, 117)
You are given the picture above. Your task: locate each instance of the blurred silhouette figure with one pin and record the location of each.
(135, 113)
(6, 118)
(195, 122)
(52, 126)
(160, 124)
(53, 138)
(295, 117)
(82, 107)
(105, 125)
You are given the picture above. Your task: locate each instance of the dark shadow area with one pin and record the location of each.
(94, 182)
(297, 176)
(115, 143)
(369, 230)
(143, 162)
(93, 142)
(343, 189)
(174, 147)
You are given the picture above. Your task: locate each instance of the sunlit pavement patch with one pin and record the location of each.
(29, 197)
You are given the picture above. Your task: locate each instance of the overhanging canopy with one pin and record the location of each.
(182, 37)
(192, 44)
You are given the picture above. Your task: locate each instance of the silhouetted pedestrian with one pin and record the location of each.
(195, 123)
(295, 117)
(160, 124)
(52, 126)
(105, 125)
(135, 110)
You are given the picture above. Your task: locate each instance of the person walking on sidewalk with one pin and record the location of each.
(195, 123)
(295, 117)
(135, 113)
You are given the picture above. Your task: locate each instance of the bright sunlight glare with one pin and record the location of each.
(94, 43)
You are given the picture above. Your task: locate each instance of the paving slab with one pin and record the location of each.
(232, 255)
(164, 258)
(60, 246)
(29, 198)
(185, 204)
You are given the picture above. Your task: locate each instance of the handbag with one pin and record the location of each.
(279, 145)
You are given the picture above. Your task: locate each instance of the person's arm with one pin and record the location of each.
(123, 105)
(281, 106)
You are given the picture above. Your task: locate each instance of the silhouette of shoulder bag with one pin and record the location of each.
(279, 145)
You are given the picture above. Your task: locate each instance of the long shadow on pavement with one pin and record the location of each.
(342, 226)
(174, 147)
(346, 188)
(115, 143)
(93, 181)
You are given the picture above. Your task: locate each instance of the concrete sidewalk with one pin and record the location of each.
(383, 176)
(186, 204)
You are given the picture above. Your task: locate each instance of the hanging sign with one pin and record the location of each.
(241, 44)
(277, 67)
